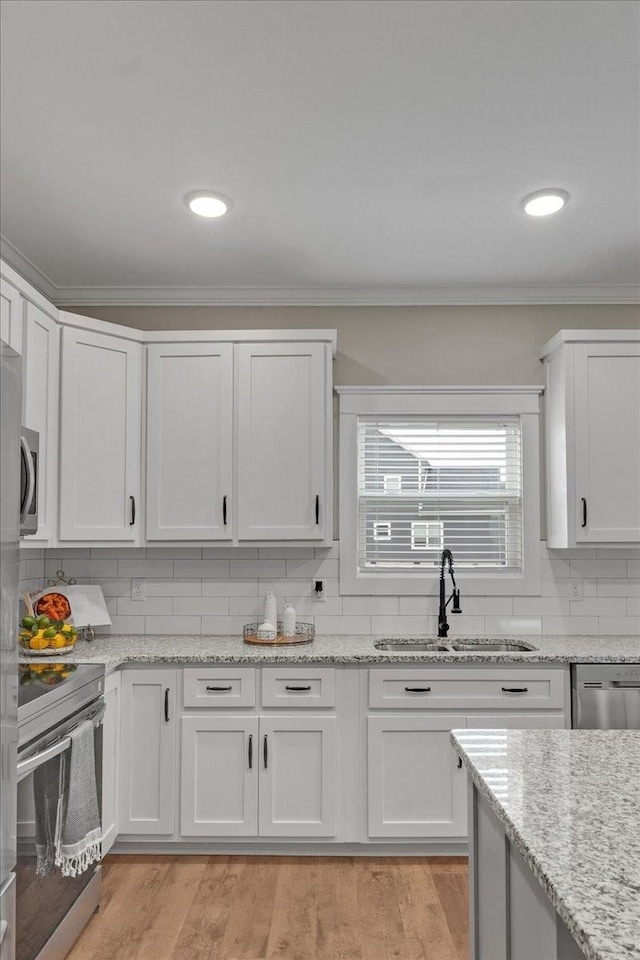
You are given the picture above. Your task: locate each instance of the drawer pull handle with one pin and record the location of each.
(166, 705)
(132, 501)
(250, 751)
(219, 689)
(459, 763)
(298, 689)
(224, 510)
(317, 509)
(515, 689)
(418, 689)
(265, 752)
(584, 512)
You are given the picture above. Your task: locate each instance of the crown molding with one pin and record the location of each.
(28, 270)
(346, 296)
(279, 296)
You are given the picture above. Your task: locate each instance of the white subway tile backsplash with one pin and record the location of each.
(587, 626)
(216, 590)
(516, 626)
(156, 569)
(598, 607)
(190, 569)
(258, 569)
(313, 568)
(225, 626)
(132, 625)
(627, 626)
(229, 588)
(402, 626)
(178, 625)
(599, 568)
(346, 625)
(173, 588)
(201, 606)
(152, 605)
(369, 606)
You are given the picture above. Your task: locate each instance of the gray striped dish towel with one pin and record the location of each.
(68, 830)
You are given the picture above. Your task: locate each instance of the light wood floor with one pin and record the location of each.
(279, 908)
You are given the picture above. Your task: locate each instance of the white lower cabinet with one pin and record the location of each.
(415, 788)
(110, 761)
(219, 777)
(241, 768)
(298, 776)
(258, 776)
(148, 752)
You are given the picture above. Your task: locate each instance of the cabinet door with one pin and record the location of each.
(415, 786)
(607, 442)
(11, 307)
(147, 751)
(100, 423)
(110, 761)
(219, 796)
(189, 441)
(282, 448)
(40, 403)
(298, 776)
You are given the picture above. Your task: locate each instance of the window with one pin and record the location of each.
(427, 536)
(422, 469)
(382, 531)
(457, 484)
(392, 482)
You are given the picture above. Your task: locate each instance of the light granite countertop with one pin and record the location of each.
(569, 800)
(114, 651)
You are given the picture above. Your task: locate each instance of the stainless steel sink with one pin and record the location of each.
(410, 646)
(490, 646)
(454, 646)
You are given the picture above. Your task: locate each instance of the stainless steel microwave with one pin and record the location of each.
(29, 450)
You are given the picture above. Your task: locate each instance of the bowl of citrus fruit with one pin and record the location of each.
(41, 637)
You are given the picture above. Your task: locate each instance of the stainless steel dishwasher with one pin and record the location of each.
(605, 696)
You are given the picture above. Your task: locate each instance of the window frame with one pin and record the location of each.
(427, 523)
(433, 402)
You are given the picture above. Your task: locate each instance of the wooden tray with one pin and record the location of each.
(280, 640)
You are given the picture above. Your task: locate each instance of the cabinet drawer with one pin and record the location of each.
(420, 688)
(219, 687)
(298, 687)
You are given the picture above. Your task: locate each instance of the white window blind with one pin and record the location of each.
(456, 484)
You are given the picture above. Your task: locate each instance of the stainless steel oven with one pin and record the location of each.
(29, 453)
(52, 910)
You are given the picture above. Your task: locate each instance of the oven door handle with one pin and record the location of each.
(27, 766)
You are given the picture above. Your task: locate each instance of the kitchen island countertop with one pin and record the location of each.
(568, 800)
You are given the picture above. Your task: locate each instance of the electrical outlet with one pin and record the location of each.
(317, 591)
(575, 589)
(137, 589)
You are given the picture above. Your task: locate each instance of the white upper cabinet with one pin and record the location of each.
(189, 441)
(40, 402)
(11, 307)
(593, 437)
(283, 435)
(100, 421)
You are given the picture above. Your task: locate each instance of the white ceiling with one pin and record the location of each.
(376, 150)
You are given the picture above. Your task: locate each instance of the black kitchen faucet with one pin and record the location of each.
(443, 625)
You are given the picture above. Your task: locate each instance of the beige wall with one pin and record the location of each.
(404, 345)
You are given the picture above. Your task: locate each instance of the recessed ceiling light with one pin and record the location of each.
(542, 203)
(207, 204)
